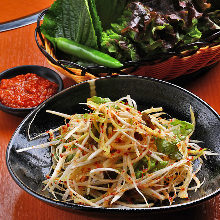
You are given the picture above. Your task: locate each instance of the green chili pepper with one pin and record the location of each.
(86, 53)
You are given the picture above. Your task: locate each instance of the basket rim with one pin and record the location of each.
(97, 70)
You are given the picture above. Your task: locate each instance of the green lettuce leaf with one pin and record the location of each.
(157, 165)
(148, 29)
(118, 46)
(71, 20)
(109, 11)
(96, 20)
(192, 34)
(99, 100)
(168, 148)
(148, 165)
(182, 129)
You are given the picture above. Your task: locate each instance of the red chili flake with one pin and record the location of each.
(84, 153)
(65, 147)
(47, 176)
(149, 152)
(67, 124)
(118, 151)
(118, 140)
(61, 155)
(98, 165)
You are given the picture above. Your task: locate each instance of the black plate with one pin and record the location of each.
(28, 169)
(42, 71)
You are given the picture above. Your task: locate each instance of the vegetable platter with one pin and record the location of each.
(161, 39)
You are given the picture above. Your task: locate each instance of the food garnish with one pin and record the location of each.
(118, 156)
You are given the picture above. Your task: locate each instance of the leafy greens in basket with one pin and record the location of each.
(128, 30)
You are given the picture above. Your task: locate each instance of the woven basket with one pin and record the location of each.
(173, 66)
(178, 66)
(166, 70)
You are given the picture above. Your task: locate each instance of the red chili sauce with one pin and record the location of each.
(26, 91)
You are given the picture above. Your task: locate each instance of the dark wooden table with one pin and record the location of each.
(17, 47)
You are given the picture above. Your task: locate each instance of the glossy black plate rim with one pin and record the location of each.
(111, 211)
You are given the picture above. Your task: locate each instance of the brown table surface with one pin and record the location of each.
(16, 9)
(17, 47)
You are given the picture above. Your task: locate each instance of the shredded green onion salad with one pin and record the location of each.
(119, 156)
